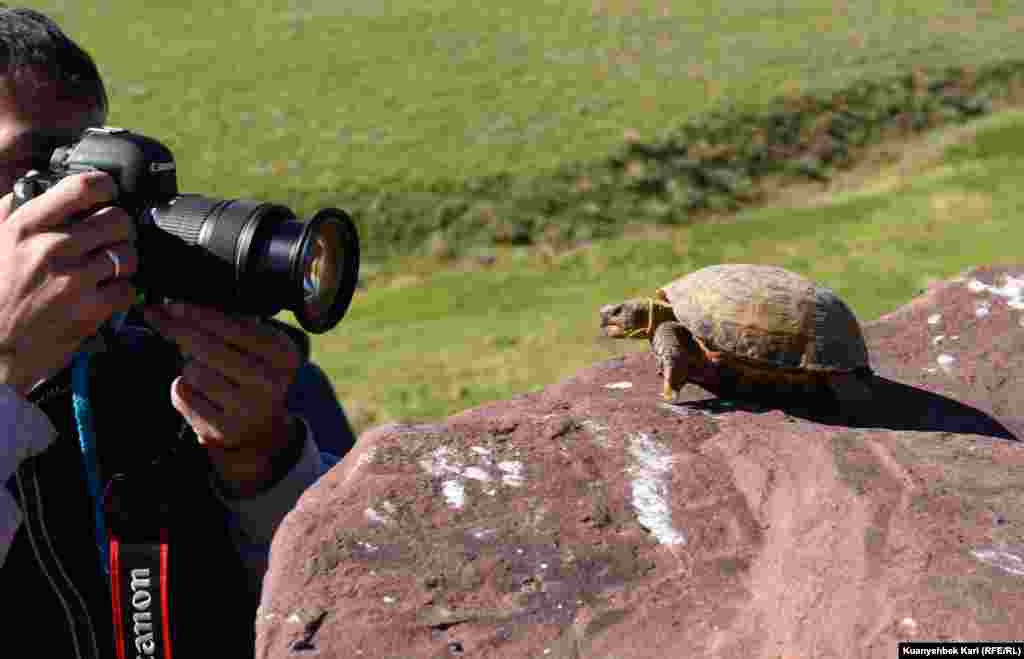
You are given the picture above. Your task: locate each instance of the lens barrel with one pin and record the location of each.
(250, 257)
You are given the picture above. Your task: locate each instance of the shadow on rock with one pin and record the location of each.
(895, 406)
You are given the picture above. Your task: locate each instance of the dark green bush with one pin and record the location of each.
(712, 162)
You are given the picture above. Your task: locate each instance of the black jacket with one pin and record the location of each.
(55, 597)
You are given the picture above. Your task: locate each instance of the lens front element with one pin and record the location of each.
(328, 267)
(322, 262)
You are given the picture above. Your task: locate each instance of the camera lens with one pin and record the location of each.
(321, 262)
(251, 257)
(327, 267)
(316, 266)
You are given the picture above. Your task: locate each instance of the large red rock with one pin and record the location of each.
(592, 520)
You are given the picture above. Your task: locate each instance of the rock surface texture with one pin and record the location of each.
(593, 520)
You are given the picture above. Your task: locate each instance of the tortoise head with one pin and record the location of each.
(630, 319)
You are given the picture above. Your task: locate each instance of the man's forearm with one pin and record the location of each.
(256, 518)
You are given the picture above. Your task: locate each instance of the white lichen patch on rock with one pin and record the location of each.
(1008, 559)
(446, 465)
(934, 319)
(454, 493)
(439, 463)
(1012, 290)
(477, 474)
(946, 361)
(650, 488)
(377, 518)
(618, 385)
(513, 473)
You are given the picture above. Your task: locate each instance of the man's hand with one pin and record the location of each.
(57, 283)
(232, 389)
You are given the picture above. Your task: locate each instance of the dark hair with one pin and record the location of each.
(33, 49)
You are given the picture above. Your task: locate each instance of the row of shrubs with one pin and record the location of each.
(716, 163)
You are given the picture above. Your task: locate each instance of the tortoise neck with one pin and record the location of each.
(659, 312)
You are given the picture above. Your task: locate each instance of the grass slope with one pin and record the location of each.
(943, 202)
(311, 102)
(307, 101)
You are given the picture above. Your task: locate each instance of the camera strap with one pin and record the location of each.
(132, 537)
(138, 589)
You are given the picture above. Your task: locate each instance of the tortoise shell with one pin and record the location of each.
(769, 317)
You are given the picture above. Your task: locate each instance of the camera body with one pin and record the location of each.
(241, 256)
(143, 168)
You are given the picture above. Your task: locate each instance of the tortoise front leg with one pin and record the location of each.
(667, 344)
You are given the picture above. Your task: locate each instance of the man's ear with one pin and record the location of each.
(296, 334)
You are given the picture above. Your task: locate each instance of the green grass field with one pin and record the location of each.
(302, 101)
(306, 103)
(456, 339)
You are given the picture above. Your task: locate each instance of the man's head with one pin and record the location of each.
(50, 91)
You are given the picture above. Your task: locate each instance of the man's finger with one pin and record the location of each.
(5, 206)
(71, 196)
(241, 367)
(219, 390)
(103, 228)
(203, 416)
(248, 335)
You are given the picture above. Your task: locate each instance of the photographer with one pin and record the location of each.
(197, 433)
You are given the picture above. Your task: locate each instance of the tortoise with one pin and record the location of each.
(741, 328)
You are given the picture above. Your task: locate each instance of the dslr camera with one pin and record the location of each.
(238, 255)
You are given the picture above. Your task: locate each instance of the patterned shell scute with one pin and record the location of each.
(769, 316)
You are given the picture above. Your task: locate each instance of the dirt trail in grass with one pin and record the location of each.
(890, 166)
(883, 168)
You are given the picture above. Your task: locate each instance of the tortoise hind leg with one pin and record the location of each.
(669, 345)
